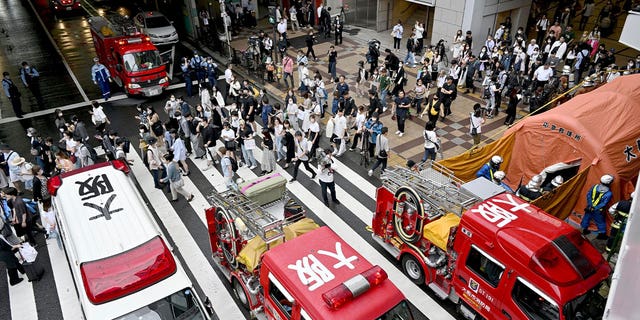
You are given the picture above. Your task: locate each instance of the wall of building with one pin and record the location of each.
(479, 16)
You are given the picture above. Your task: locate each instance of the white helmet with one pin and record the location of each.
(537, 180)
(557, 181)
(606, 179)
(496, 159)
(499, 175)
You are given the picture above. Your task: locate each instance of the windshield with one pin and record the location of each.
(157, 22)
(587, 306)
(140, 61)
(181, 305)
(400, 312)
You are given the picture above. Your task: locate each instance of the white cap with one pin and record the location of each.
(607, 179)
(557, 181)
(499, 175)
(496, 159)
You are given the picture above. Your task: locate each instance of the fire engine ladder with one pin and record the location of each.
(436, 185)
(258, 221)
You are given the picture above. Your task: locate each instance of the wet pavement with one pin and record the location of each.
(23, 39)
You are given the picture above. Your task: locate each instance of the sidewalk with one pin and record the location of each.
(454, 131)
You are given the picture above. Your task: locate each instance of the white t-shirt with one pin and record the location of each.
(49, 220)
(360, 119)
(476, 122)
(429, 137)
(397, 31)
(227, 75)
(339, 126)
(543, 74)
(227, 134)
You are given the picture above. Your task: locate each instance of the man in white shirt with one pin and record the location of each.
(325, 176)
(558, 48)
(419, 32)
(542, 75)
(228, 76)
(339, 133)
(397, 35)
(282, 29)
(301, 156)
(319, 12)
(531, 47)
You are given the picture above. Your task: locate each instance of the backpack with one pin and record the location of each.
(92, 153)
(31, 205)
(234, 164)
(127, 145)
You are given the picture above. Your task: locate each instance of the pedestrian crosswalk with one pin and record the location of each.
(185, 226)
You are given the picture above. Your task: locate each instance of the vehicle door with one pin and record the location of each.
(278, 302)
(523, 300)
(479, 277)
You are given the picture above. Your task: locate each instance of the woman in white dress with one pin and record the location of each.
(458, 42)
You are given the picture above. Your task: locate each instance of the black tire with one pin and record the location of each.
(413, 269)
(239, 293)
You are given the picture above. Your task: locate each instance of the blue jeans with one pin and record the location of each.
(290, 76)
(429, 154)
(247, 154)
(280, 154)
(332, 70)
(380, 161)
(598, 217)
(410, 58)
(383, 97)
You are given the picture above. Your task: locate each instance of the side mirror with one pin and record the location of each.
(208, 307)
(119, 67)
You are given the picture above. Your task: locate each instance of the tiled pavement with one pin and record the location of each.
(453, 131)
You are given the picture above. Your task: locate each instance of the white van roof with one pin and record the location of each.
(103, 212)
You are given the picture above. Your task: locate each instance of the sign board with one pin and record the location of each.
(629, 35)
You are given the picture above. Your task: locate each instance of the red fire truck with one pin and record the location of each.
(493, 254)
(281, 265)
(133, 61)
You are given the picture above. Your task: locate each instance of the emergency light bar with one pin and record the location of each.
(126, 273)
(354, 287)
(130, 41)
(54, 183)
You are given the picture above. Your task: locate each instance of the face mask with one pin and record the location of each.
(59, 114)
(173, 99)
(141, 131)
(374, 119)
(484, 50)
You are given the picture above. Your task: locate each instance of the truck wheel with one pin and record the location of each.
(413, 269)
(240, 294)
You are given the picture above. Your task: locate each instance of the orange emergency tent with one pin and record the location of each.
(600, 130)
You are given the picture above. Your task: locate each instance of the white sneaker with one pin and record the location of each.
(398, 132)
(370, 173)
(252, 167)
(401, 134)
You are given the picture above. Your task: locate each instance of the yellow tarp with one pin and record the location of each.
(561, 201)
(252, 252)
(465, 165)
(437, 232)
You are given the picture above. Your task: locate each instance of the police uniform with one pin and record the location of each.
(186, 74)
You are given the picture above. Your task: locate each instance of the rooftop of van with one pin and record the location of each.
(103, 212)
(342, 262)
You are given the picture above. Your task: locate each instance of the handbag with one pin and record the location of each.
(178, 184)
(250, 144)
(28, 253)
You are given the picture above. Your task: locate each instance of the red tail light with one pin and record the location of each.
(53, 184)
(126, 273)
(354, 287)
(121, 165)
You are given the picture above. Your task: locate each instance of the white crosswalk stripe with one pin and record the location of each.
(196, 260)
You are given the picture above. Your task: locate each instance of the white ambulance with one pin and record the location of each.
(122, 265)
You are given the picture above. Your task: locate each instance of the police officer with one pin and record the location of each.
(12, 93)
(186, 74)
(531, 191)
(498, 178)
(620, 211)
(197, 64)
(211, 71)
(101, 76)
(31, 79)
(490, 168)
(598, 197)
